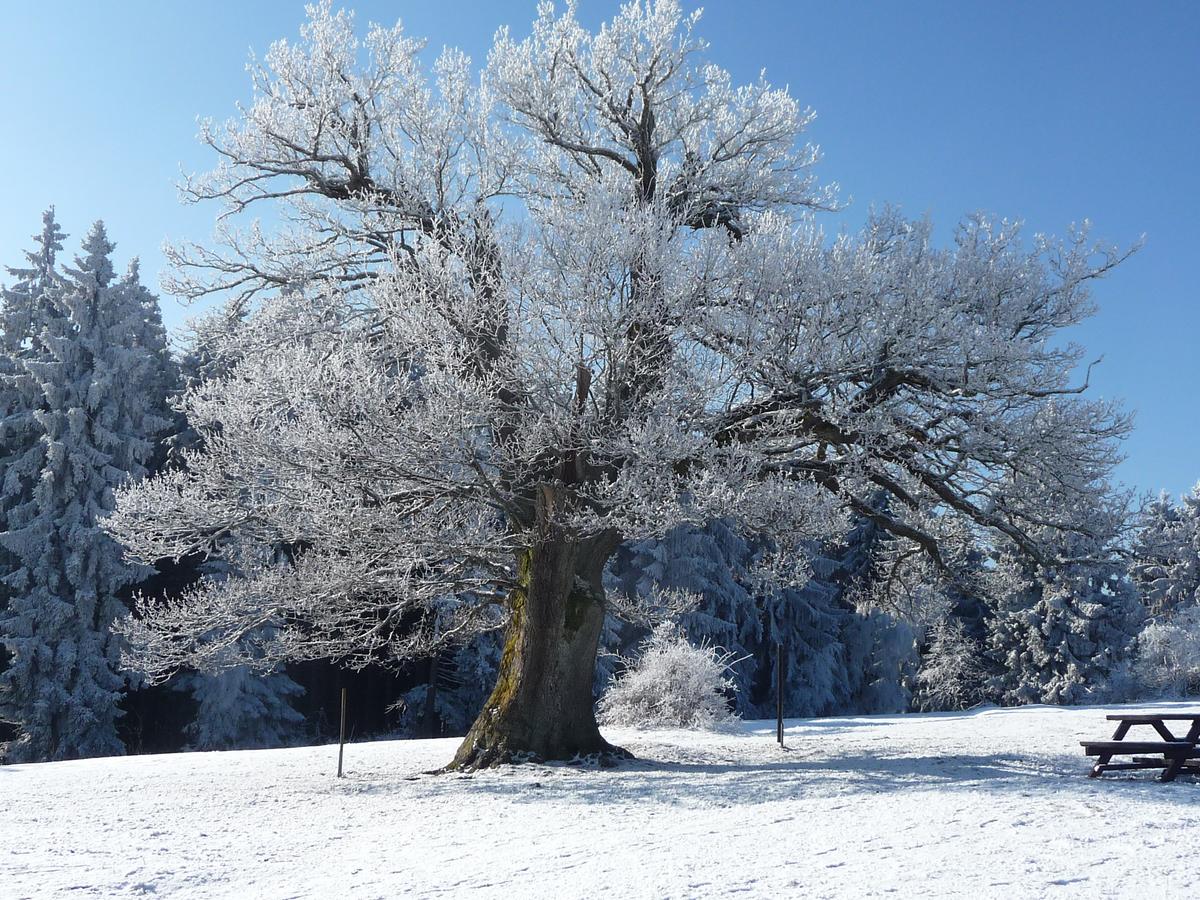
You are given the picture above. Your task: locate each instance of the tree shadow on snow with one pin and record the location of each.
(717, 783)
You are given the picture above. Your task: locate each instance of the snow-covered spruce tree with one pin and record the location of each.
(96, 424)
(163, 377)
(840, 656)
(458, 674)
(834, 657)
(25, 310)
(26, 306)
(711, 563)
(878, 647)
(1165, 555)
(955, 669)
(239, 708)
(1165, 567)
(881, 657)
(458, 683)
(519, 318)
(809, 622)
(1066, 633)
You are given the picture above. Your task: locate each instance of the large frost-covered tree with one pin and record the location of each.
(96, 421)
(513, 319)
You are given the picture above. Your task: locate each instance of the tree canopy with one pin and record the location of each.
(514, 317)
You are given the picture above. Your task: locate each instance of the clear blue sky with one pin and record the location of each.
(1049, 112)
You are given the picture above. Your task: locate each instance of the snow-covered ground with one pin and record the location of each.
(991, 803)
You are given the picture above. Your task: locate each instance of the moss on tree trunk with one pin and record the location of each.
(542, 705)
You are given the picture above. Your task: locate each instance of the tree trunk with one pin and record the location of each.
(542, 706)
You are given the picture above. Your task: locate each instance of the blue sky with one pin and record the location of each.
(1048, 112)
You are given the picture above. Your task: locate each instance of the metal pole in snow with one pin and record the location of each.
(779, 691)
(342, 739)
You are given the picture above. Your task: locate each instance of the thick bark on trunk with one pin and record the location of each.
(542, 706)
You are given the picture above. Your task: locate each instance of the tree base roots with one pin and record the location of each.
(605, 756)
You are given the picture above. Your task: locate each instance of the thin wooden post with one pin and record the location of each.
(779, 691)
(342, 739)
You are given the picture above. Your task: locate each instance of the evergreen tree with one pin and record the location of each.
(1165, 563)
(238, 708)
(1168, 656)
(808, 625)
(878, 645)
(25, 310)
(835, 658)
(1165, 567)
(97, 423)
(238, 704)
(1064, 636)
(163, 377)
(882, 660)
(956, 670)
(1063, 627)
(458, 682)
(27, 305)
(711, 563)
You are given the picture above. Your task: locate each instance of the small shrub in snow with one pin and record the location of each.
(1168, 658)
(671, 685)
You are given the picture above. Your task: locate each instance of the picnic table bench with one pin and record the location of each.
(1173, 754)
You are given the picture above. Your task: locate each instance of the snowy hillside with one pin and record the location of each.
(992, 803)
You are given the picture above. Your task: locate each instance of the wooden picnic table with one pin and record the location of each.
(1174, 753)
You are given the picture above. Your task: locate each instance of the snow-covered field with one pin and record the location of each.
(991, 803)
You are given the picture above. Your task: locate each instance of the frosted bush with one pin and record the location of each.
(671, 685)
(1168, 658)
